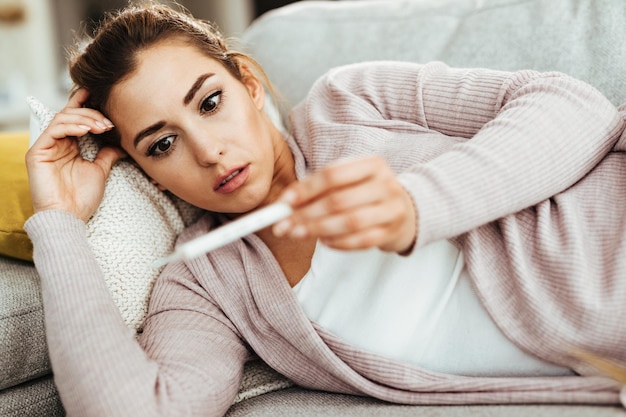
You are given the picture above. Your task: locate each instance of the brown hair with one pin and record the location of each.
(110, 54)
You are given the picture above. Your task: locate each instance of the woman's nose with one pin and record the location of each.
(206, 150)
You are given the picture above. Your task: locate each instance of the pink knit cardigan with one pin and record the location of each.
(525, 171)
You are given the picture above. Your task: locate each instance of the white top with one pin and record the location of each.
(419, 309)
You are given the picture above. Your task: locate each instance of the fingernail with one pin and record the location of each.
(84, 127)
(288, 197)
(101, 125)
(299, 232)
(281, 228)
(108, 123)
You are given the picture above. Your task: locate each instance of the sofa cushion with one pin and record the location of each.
(23, 349)
(304, 403)
(15, 205)
(298, 43)
(36, 398)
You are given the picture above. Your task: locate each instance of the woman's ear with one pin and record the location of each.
(254, 86)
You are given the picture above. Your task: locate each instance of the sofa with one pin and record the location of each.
(298, 43)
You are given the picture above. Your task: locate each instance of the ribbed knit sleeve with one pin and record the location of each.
(524, 136)
(187, 362)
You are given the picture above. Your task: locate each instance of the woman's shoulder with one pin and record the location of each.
(356, 71)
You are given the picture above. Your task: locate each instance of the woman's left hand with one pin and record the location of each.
(354, 204)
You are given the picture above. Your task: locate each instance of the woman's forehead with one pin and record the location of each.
(166, 79)
(173, 54)
(165, 72)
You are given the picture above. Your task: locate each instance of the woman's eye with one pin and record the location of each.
(210, 103)
(161, 146)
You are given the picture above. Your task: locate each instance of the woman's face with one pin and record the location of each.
(196, 130)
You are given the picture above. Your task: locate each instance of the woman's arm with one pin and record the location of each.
(530, 135)
(191, 361)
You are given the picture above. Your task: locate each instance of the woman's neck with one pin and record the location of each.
(293, 256)
(284, 167)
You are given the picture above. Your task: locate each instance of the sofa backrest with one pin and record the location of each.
(584, 38)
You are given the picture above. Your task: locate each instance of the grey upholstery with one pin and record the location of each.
(297, 402)
(584, 38)
(23, 351)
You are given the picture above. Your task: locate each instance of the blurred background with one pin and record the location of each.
(35, 33)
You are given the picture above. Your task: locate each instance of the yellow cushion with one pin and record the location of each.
(15, 203)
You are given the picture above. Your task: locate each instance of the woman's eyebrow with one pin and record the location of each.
(188, 97)
(195, 87)
(147, 132)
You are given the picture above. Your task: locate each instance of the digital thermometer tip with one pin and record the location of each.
(228, 233)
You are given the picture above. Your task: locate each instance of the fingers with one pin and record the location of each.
(338, 175)
(75, 106)
(107, 157)
(87, 119)
(359, 240)
(329, 211)
(59, 177)
(351, 205)
(80, 119)
(360, 228)
(78, 98)
(72, 122)
(357, 226)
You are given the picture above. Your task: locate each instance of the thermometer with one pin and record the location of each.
(228, 233)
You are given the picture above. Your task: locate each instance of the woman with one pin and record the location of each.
(431, 223)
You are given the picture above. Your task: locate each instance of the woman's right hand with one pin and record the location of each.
(60, 179)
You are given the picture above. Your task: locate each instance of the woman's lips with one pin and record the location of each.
(232, 180)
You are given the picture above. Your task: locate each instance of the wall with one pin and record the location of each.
(34, 34)
(29, 63)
